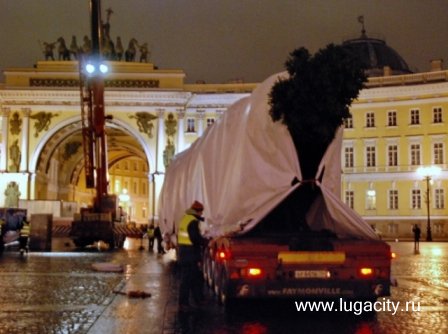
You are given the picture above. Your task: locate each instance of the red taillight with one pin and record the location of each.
(254, 272)
(365, 272)
(223, 255)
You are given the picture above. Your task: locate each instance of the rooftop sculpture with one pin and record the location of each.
(109, 49)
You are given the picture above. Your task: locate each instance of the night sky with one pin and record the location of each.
(221, 40)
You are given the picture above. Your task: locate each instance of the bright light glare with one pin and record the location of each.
(429, 171)
(124, 197)
(90, 68)
(254, 271)
(366, 271)
(436, 251)
(104, 68)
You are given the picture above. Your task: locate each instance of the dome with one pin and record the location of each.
(376, 54)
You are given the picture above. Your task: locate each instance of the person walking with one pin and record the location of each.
(24, 236)
(159, 238)
(417, 232)
(150, 235)
(2, 232)
(190, 242)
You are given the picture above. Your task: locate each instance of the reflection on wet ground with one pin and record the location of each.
(58, 292)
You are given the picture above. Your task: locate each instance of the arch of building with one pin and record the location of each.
(45, 159)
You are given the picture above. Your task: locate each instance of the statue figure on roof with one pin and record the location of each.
(74, 48)
(48, 50)
(87, 45)
(143, 52)
(63, 51)
(106, 26)
(119, 49)
(108, 47)
(131, 50)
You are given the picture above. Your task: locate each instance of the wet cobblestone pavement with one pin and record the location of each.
(59, 292)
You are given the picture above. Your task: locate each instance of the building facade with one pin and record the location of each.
(399, 123)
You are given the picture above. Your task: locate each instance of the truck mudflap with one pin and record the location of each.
(309, 289)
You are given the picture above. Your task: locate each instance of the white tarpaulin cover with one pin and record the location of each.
(242, 168)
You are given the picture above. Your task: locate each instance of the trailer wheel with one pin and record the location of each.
(205, 267)
(223, 296)
(216, 278)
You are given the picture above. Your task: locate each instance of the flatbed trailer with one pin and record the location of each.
(317, 267)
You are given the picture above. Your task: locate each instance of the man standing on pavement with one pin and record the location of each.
(150, 235)
(2, 232)
(417, 232)
(190, 242)
(24, 236)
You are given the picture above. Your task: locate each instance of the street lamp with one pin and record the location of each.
(427, 173)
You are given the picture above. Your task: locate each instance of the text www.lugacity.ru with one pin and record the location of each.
(357, 307)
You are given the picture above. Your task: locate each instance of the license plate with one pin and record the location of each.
(311, 274)
(305, 257)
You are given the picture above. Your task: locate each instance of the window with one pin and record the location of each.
(144, 186)
(393, 199)
(371, 199)
(437, 115)
(370, 120)
(415, 116)
(392, 155)
(348, 123)
(350, 198)
(370, 156)
(210, 121)
(438, 153)
(392, 118)
(134, 189)
(439, 200)
(348, 157)
(190, 125)
(392, 228)
(135, 166)
(415, 154)
(416, 199)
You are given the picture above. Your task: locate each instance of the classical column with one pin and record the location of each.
(4, 143)
(201, 116)
(180, 130)
(25, 139)
(160, 141)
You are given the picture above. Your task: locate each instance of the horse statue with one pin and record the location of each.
(108, 49)
(63, 51)
(129, 55)
(143, 52)
(87, 45)
(48, 50)
(74, 48)
(119, 49)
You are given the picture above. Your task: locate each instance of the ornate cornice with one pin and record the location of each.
(34, 97)
(117, 83)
